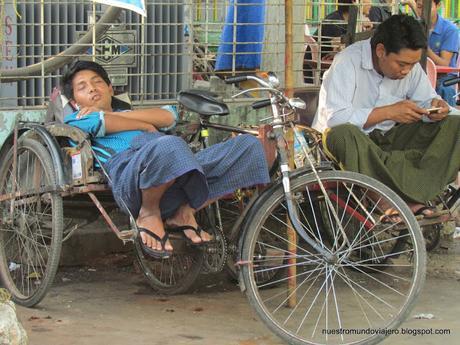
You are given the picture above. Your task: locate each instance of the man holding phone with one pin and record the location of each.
(374, 111)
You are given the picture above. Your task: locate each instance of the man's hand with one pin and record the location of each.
(442, 113)
(406, 112)
(87, 110)
(367, 24)
(337, 45)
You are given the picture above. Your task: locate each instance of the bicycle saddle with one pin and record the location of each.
(202, 102)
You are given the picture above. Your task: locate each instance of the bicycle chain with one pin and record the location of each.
(215, 253)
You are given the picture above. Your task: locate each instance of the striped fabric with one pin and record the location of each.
(138, 160)
(106, 145)
(155, 158)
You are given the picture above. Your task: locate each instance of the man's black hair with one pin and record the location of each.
(398, 32)
(77, 66)
(343, 6)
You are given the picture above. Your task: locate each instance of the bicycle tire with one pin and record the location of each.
(265, 240)
(31, 240)
(176, 274)
(231, 267)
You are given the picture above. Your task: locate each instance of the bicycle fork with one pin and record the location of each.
(292, 210)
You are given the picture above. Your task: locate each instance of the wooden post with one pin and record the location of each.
(289, 78)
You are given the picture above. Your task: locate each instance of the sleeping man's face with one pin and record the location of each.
(90, 90)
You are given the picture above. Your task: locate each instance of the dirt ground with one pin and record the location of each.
(110, 303)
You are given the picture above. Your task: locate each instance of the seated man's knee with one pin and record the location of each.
(249, 138)
(338, 134)
(172, 141)
(246, 141)
(453, 120)
(341, 141)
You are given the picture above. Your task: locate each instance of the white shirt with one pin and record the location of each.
(352, 88)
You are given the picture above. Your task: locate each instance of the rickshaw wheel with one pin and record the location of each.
(31, 223)
(177, 273)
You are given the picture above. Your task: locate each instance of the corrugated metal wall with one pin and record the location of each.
(146, 57)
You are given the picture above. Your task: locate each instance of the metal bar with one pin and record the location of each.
(107, 218)
(42, 45)
(55, 62)
(229, 128)
(90, 188)
(235, 28)
(94, 37)
(26, 194)
(143, 53)
(15, 167)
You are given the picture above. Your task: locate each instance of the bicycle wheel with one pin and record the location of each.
(31, 224)
(230, 209)
(175, 274)
(329, 226)
(359, 297)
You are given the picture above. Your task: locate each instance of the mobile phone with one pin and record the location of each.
(433, 110)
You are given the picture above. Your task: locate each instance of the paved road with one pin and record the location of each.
(113, 305)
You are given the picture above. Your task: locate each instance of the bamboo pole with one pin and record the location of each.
(289, 79)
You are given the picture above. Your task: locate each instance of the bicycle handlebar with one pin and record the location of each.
(453, 81)
(261, 104)
(234, 80)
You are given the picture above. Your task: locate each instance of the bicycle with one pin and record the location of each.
(310, 218)
(315, 235)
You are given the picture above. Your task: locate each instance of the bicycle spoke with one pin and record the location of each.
(368, 279)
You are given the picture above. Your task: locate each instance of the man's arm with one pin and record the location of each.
(149, 119)
(338, 91)
(440, 60)
(157, 117)
(116, 123)
(99, 124)
(401, 112)
(449, 47)
(420, 96)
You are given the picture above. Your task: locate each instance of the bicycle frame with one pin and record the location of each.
(277, 101)
(279, 124)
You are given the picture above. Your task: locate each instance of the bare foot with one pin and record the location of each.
(391, 216)
(154, 224)
(185, 215)
(420, 209)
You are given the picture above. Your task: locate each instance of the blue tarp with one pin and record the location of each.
(250, 18)
(133, 5)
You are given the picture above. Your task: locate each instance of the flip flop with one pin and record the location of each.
(154, 253)
(197, 231)
(421, 212)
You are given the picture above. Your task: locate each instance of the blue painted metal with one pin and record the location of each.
(8, 118)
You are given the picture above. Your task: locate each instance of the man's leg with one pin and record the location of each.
(182, 200)
(405, 158)
(446, 92)
(150, 216)
(185, 215)
(236, 163)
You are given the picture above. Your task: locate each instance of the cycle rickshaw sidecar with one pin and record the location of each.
(43, 167)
